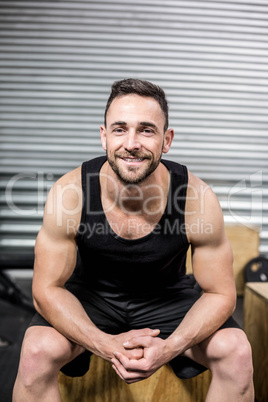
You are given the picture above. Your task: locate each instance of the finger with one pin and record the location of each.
(145, 332)
(130, 344)
(127, 380)
(125, 375)
(121, 358)
(138, 342)
(135, 353)
(129, 364)
(117, 372)
(120, 369)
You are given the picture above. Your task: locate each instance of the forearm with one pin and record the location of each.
(208, 313)
(66, 314)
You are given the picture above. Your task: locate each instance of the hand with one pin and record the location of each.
(155, 355)
(115, 343)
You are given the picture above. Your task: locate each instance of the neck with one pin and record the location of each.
(148, 197)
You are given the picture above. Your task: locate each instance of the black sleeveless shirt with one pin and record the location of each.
(149, 265)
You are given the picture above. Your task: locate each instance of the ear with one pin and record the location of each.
(103, 137)
(168, 137)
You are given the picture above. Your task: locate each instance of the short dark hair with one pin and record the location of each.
(141, 88)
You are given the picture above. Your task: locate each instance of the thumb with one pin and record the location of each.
(150, 332)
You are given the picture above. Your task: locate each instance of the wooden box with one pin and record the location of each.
(256, 328)
(102, 384)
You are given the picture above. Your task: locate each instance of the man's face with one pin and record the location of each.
(134, 137)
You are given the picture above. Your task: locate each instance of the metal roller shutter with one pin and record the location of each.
(58, 60)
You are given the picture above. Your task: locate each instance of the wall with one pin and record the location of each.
(58, 60)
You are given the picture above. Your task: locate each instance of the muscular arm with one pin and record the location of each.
(212, 267)
(217, 302)
(55, 259)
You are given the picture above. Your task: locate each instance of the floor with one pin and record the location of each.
(13, 323)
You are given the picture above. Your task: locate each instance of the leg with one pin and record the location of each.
(44, 351)
(227, 354)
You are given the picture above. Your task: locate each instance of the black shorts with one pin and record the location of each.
(117, 313)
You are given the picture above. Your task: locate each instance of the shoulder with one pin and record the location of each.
(71, 178)
(203, 213)
(64, 203)
(198, 193)
(67, 190)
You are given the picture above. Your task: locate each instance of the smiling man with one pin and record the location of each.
(109, 274)
(130, 158)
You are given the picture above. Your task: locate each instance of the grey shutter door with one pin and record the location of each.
(58, 61)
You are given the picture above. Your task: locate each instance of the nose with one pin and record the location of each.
(132, 142)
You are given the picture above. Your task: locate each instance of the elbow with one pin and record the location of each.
(231, 302)
(37, 307)
(233, 305)
(232, 308)
(37, 302)
(233, 297)
(40, 298)
(228, 301)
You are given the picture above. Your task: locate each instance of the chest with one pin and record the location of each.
(132, 226)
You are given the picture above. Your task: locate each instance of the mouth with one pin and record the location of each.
(132, 161)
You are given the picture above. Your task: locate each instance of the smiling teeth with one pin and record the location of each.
(133, 160)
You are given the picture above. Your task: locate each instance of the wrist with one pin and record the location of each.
(174, 345)
(98, 343)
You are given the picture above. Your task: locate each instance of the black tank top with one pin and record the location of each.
(152, 264)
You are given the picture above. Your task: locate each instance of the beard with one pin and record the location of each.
(133, 174)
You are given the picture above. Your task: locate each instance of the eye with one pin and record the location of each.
(147, 131)
(119, 131)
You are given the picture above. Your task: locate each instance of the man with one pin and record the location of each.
(132, 218)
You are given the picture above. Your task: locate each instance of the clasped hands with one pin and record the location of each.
(143, 353)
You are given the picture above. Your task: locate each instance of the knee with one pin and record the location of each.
(232, 356)
(41, 357)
